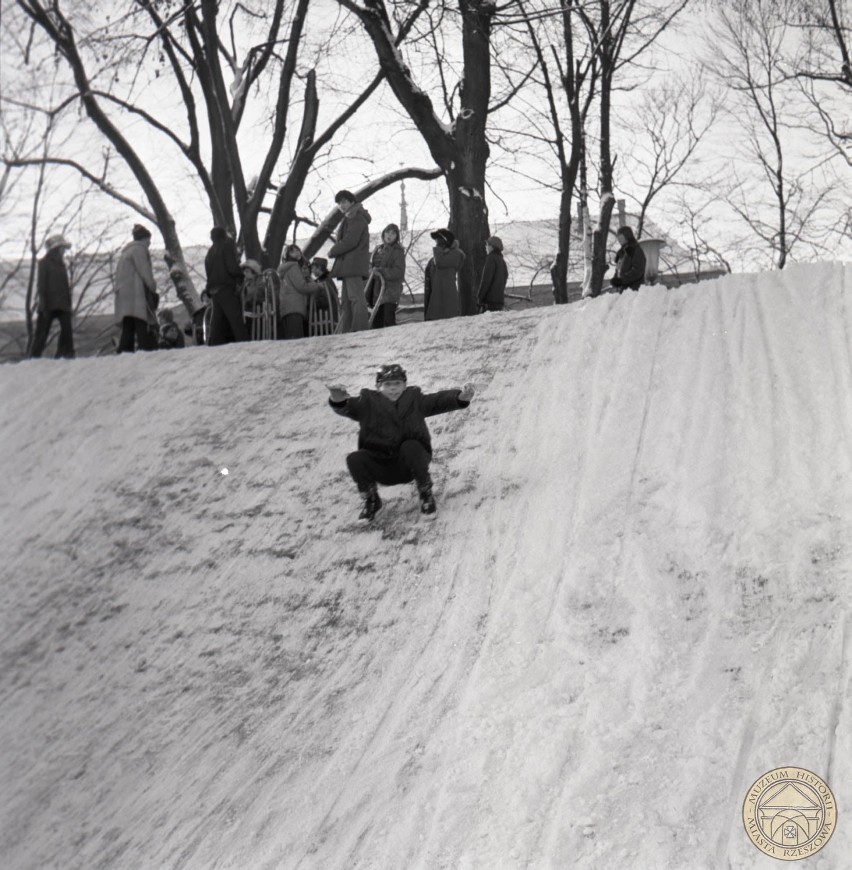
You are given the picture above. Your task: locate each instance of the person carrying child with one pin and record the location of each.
(394, 445)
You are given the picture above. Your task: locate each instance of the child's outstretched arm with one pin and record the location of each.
(467, 392)
(342, 403)
(338, 392)
(447, 400)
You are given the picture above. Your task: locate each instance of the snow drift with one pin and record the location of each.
(634, 601)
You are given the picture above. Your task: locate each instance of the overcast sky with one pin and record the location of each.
(380, 138)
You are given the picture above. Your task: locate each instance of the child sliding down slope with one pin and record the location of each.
(394, 445)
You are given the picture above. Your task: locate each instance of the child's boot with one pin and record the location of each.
(372, 503)
(427, 500)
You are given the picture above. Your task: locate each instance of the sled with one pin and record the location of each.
(324, 320)
(375, 278)
(260, 311)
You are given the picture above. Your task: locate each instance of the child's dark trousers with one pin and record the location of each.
(369, 467)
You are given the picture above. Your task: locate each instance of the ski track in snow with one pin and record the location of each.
(634, 599)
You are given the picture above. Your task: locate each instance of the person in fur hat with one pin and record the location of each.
(440, 286)
(394, 445)
(295, 294)
(629, 262)
(389, 261)
(492, 286)
(54, 300)
(253, 289)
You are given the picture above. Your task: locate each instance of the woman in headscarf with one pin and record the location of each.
(389, 261)
(440, 287)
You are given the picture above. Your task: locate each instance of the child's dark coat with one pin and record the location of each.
(386, 424)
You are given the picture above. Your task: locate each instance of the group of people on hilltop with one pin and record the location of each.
(368, 282)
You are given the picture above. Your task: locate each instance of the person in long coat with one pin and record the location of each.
(351, 253)
(222, 267)
(54, 300)
(295, 294)
(495, 274)
(629, 262)
(135, 294)
(440, 287)
(389, 261)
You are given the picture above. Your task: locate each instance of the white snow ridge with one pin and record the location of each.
(634, 601)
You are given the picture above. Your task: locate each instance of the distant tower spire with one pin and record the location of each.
(403, 211)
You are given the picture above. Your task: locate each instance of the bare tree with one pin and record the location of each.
(749, 57)
(459, 145)
(670, 125)
(42, 185)
(216, 57)
(620, 32)
(567, 74)
(824, 68)
(586, 54)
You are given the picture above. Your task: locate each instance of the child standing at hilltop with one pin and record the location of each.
(394, 445)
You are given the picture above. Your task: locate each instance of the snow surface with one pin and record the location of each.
(634, 601)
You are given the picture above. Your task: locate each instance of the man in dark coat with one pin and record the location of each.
(492, 286)
(629, 262)
(394, 445)
(54, 300)
(351, 253)
(222, 265)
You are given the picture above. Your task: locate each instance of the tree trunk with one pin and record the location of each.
(600, 240)
(559, 271)
(607, 199)
(221, 200)
(284, 208)
(466, 175)
(462, 150)
(469, 223)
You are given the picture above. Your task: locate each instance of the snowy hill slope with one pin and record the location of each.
(634, 601)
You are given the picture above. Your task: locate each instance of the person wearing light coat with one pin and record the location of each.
(295, 294)
(135, 294)
(389, 261)
(351, 254)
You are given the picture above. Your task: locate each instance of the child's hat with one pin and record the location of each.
(320, 263)
(445, 236)
(56, 241)
(391, 372)
(252, 266)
